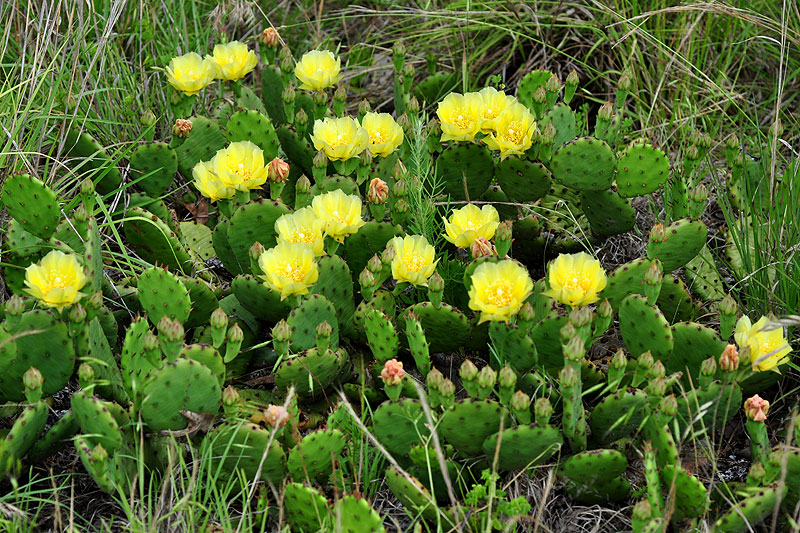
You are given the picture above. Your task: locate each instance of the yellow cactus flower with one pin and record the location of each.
(513, 131)
(385, 134)
(413, 260)
(289, 268)
(241, 166)
(493, 102)
(56, 279)
(341, 213)
(460, 116)
(208, 183)
(499, 289)
(469, 223)
(190, 73)
(340, 138)
(318, 70)
(575, 279)
(768, 349)
(233, 60)
(302, 227)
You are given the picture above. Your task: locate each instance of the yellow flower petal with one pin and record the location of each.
(240, 166)
(340, 212)
(56, 279)
(469, 223)
(513, 131)
(289, 268)
(190, 73)
(340, 138)
(575, 279)
(303, 227)
(499, 289)
(460, 116)
(414, 259)
(385, 135)
(318, 70)
(233, 60)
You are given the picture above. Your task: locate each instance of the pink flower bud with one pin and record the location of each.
(729, 360)
(270, 37)
(276, 416)
(756, 408)
(278, 171)
(482, 247)
(182, 127)
(392, 373)
(378, 191)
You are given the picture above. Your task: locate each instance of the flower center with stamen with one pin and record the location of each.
(301, 235)
(292, 271)
(575, 282)
(462, 121)
(339, 140)
(473, 223)
(769, 346)
(499, 293)
(514, 132)
(490, 112)
(378, 137)
(413, 262)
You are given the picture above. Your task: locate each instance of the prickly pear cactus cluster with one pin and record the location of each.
(308, 304)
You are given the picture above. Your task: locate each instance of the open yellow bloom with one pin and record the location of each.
(385, 135)
(240, 166)
(56, 279)
(190, 73)
(318, 69)
(499, 289)
(469, 223)
(460, 115)
(208, 183)
(289, 268)
(575, 279)
(513, 131)
(768, 349)
(302, 227)
(340, 138)
(413, 260)
(233, 60)
(341, 213)
(493, 102)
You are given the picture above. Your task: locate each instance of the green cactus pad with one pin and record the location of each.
(418, 346)
(435, 87)
(446, 328)
(613, 490)
(675, 301)
(685, 239)
(618, 415)
(156, 164)
(585, 164)
(96, 421)
(21, 243)
(411, 493)
(311, 372)
(271, 89)
(297, 148)
(751, 510)
(254, 127)
(198, 238)
(32, 204)
(241, 447)
(626, 279)
(546, 336)
(101, 470)
(691, 496)
(469, 422)
(400, 425)
(135, 366)
(184, 385)
(203, 299)
(607, 212)
(313, 457)
(335, 283)
(529, 84)
(355, 515)
(382, 336)
(202, 143)
(152, 239)
(641, 169)
(332, 183)
(162, 294)
(222, 248)
(313, 310)
(523, 446)
(694, 343)
(790, 457)
(55, 438)
(371, 239)
(208, 356)
(643, 327)
(522, 180)
(251, 223)
(104, 364)
(704, 279)
(155, 206)
(562, 117)
(466, 171)
(710, 408)
(306, 509)
(50, 351)
(93, 160)
(263, 302)
(23, 434)
(595, 466)
(513, 345)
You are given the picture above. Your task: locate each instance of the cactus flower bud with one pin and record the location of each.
(413, 105)
(580, 317)
(606, 112)
(434, 379)
(569, 377)
(219, 319)
(270, 38)
(366, 279)
(553, 84)
(324, 329)
(94, 302)
(520, 401)
(699, 193)
(148, 118)
(288, 95)
(287, 64)
(303, 185)
(399, 49)
(708, 367)
(85, 374)
(32, 379)
(182, 127)
(150, 341)
(527, 313)
(619, 361)
(625, 81)
(482, 247)
(278, 171)
(574, 350)
(77, 314)
(468, 371)
(235, 334)
(364, 107)
(507, 377)
(400, 188)
(284, 53)
(447, 389)
(642, 512)
(487, 377)
(646, 360)
(728, 306)
(658, 370)
(404, 122)
(172, 330)
(669, 405)
(340, 94)
(653, 275)
(15, 305)
(230, 396)
(81, 215)
(320, 160)
(658, 233)
(572, 78)
(276, 416)
(378, 191)
(374, 264)
(87, 185)
(756, 408)
(98, 454)
(434, 128)
(388, 255)
(256, 250)
(567, 332)
(549, 133)
(539, 95)
(301, 119)
(282, 332)
(392, 373)
(729, 360)
(543, 409)
(320, 99)
(504, 231)
(657, 387)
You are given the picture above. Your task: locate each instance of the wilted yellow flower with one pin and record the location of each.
(340, 138)
(768, 349)
(460, 116)
(341, 213)
(385, 134)
(318, 69)
(413, 260)
(493, 102)
(56, 279)
(302, 227)
(289, 268)
(209, 184)
(190, 73)
(576, 279)
(241, 166)
(499, 289)
(233, 60)
(469, 223)
(513, 131)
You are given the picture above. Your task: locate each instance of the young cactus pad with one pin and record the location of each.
(254, 127)
(400, 425)
(523, 446)
(685, 239)
(303, 320)
(154, 165)
(522, 180)
(355, 515)
(162, 294)
(202, 143)
(607, 212)
(585, 164)
(32, 204)
(618, 415)
(306, 509)
(155, 241)
(469, 422)
(251, 223)
(313, 457)
(643, 327)
(242, 447)
(466, 171)
(641, 169)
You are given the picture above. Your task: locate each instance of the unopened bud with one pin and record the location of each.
(657, 387)
(15, 305)
(303, 185)
(574, 350)
(32, 379)
(219, 319)
(580, 317)
(399, 49)
(567, 332)
(482, 247)
(447, 389)
(98, 454)
(270, 38)
(182, 127)
(658, 233)
(85, 374)
(543, 409)
(340, 93)
(364, 107)
(569, 377)
(572, 78)
(646, 360)
(434, 379)
(282, 332)
(604, 310)
(606, 112)
(625, 81)
(468, 371)
(504, 231)
(148, 118)
(276, 416)
(256, 250)
(278, 170)
(549, 134)
(653, 275)
(378, 192)
(374, 264)
(728, 306)
(81, 215)
(230, 396)
(507, 378)
(87, 185)
(527, 313)
(171, 329)
(400, 188)
(698, 193)
(520, 401)
(288, 95)
(235, 334)
(553, 84)
(642, 511)
(366, 279)
(619, 361)
(301, 119)
(320, 160)
(658, 370)
(285, 53)
(324, 329)
(434, 128)
(95, 301)
(669, 405)
(436, 282)
(320, 98)
(77, 314)
(401, 206)
(756, 408)
(729, 360)
(487, 377)
(287, 64)
(392, 373)
(539, 95)
(408, 70)
(413, 105)
(388, 255)
(708, 367)
(404, 122)
(150, 341)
